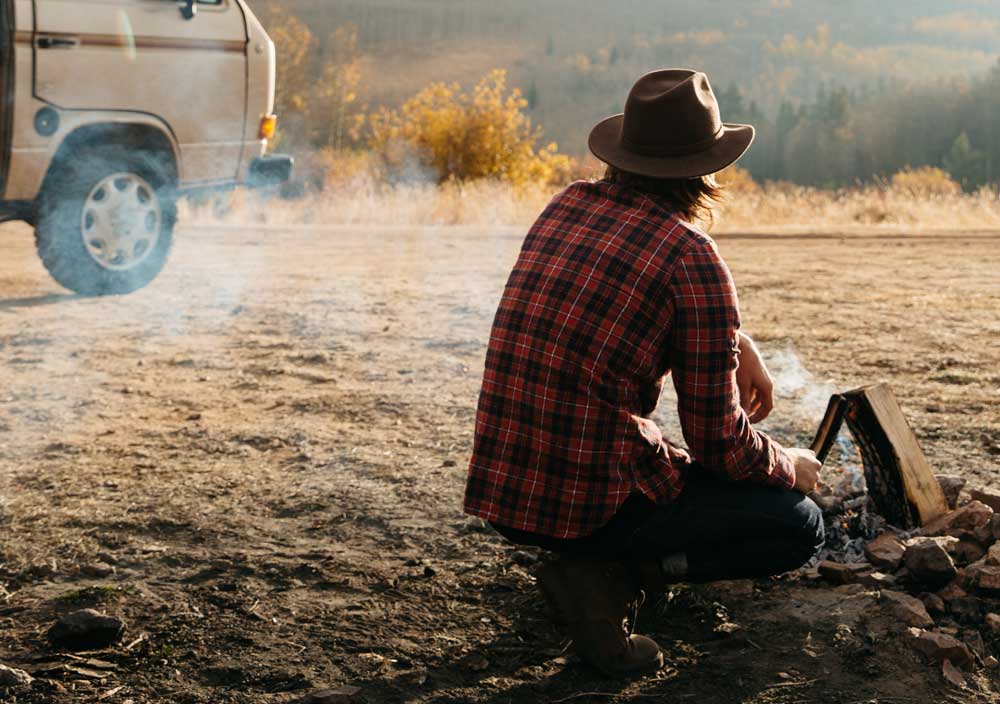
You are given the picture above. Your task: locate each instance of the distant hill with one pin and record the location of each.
(577, 58)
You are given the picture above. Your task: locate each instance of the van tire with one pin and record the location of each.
(59, 226)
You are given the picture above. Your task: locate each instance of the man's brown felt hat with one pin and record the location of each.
(671, 128)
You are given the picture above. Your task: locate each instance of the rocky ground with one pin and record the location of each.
(252, 474)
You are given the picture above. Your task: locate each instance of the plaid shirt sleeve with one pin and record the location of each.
(704, 357)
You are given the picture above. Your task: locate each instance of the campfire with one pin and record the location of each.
(892, 525)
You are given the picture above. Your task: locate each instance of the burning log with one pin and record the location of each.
(941, 582)
(901, 485)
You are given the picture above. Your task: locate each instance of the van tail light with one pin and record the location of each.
(268, 126)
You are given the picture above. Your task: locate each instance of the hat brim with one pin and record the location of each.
(605, 143)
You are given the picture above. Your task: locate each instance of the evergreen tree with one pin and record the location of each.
(787, 120)
(532, 95)
(731, 104)
(964, 163)
(838, 107)
(819, 106)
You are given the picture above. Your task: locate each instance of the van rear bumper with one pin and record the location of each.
(270, 170)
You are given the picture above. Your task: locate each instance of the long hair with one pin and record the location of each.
(691, 198)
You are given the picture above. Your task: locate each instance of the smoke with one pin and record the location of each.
(405, 165)
(802, 395)
(800, 404)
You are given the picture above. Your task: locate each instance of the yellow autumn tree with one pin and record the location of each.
(336, 93)
(925, 181)
(317, 81)
(466, 136)
(292, 42)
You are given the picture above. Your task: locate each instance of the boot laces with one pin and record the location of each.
(633, 611)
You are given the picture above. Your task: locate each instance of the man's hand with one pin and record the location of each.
(754, 381)
(806, 469)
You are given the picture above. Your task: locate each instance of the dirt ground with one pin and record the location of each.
(269, 447)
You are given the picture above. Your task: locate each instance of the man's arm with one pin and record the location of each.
(704, 357)
(753, 381)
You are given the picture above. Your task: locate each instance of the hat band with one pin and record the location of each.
(681, 150)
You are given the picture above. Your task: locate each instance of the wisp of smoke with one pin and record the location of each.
(801, 400)
(796, 386)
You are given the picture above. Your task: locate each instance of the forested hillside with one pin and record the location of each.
(840, 91)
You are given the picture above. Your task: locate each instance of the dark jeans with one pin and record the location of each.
(727, 530)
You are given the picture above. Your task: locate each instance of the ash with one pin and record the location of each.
(849, 515)
(848, 527)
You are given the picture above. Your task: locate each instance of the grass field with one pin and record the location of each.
(352, 195)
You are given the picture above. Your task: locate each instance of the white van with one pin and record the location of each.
(115, 108)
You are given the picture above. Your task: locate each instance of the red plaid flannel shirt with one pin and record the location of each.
(611, 293)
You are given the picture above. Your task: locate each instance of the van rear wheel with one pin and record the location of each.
(106, 220)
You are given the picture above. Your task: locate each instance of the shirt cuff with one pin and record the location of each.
(783, 474)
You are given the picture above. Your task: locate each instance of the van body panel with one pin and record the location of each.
(24, 17)
(29, 164)
(8, 32)
(261, 70)
(142, 57)
(28, 151)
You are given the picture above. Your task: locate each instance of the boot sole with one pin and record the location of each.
(654, 665)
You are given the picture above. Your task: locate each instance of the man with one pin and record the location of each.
(615, 289)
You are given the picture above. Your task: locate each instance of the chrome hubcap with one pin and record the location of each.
(121, 221)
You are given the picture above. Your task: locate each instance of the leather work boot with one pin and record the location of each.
(592, 599)
(654, 579)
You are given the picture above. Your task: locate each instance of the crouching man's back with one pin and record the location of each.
(613, 291)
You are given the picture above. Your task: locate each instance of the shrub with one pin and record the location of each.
(443, 133)
(925, 181)
(328, 169)
(737, 181)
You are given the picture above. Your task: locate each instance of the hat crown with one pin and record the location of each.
(671, 128)
(671, 112)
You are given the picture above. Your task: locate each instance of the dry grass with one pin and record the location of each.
(365, 201)
(879, 206)
(349, 190)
